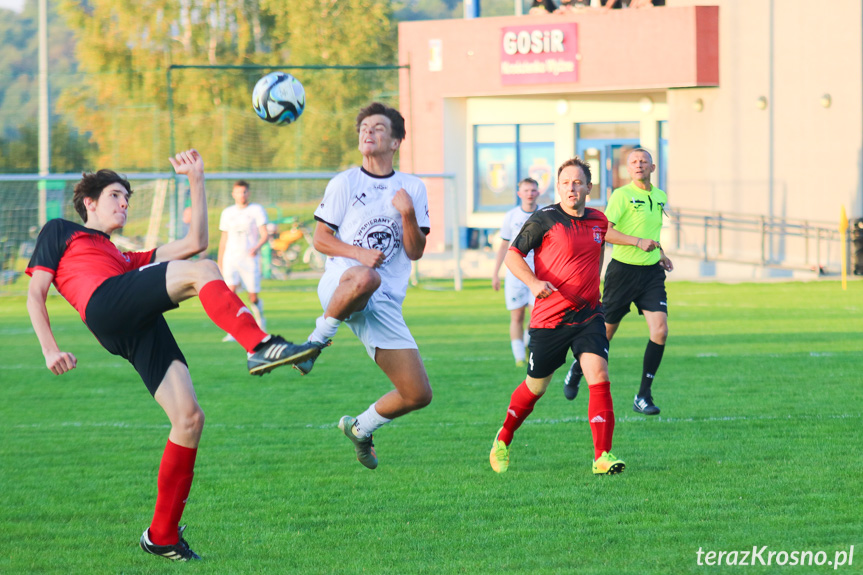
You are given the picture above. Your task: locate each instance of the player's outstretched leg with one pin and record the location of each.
(266, 352)
(572, 381)
(180, 551)
(364, 446)
(275, 352)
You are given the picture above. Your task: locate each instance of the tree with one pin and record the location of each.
(125, 48)
(19, 96)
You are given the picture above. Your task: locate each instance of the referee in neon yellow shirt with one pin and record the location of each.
(636, 272)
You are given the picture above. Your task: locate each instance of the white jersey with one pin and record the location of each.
(243, 228)
(359, 207)
(512, 223)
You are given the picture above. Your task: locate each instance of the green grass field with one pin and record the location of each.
(757, 444)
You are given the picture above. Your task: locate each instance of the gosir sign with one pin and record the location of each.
(539, 54)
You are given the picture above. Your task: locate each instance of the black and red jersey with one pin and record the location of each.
(567, 253)
(80, 259)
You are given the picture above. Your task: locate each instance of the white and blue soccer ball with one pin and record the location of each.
(279, 98)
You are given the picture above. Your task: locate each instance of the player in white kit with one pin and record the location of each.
(372, 223)
(517, 294)
(244, 232)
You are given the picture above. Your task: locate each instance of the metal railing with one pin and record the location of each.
(783, 243)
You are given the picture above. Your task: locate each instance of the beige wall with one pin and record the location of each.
(721, 156)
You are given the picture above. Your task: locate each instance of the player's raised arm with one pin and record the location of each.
(327, 243)
(414, 238)
(57, 361)
(189, 163)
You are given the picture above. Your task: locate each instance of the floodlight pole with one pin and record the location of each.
(471, 9)
(44, 125)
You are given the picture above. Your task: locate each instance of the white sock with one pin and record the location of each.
(518, 349)
(369, 421)
(325, 329)
(258, 313)
(526, 338)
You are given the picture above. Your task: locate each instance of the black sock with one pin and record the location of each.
(652, 359)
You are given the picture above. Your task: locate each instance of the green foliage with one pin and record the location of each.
(127, 48)
(760, 398)
(19, 96)
(70, 151)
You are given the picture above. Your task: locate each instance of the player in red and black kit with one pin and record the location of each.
(567, 240)
(121, 298)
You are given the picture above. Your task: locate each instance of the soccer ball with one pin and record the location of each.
(279, 98)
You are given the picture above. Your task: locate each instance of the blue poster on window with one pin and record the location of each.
(536, 160)
(496, 177)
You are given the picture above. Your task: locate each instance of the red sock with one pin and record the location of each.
(520, 406)
(229, 312)
(175, 481)
(600, 412)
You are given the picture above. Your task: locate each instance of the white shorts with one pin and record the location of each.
(516, 292)
(380, 325)
(245, 272)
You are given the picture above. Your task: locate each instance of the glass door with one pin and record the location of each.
(604, 147)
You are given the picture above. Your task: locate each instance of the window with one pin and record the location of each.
(605, 146)
(507, 153)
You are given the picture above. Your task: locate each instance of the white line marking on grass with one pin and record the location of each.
(662, 419)
(550, 421)
(16, 331)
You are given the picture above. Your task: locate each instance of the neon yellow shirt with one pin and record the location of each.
(636, 213)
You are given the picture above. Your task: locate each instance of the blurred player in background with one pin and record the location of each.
(517, 294)
(372, 223)
(636, 272)
(121, 297)
(244, 233)
(567, 240)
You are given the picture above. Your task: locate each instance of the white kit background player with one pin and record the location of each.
(371, 223)
(517, 294)
(244, 232)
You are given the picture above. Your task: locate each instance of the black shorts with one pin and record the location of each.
(626, 284)
(125, 315)
(548, 346)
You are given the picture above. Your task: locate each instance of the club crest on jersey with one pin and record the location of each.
(382, 234)
(597, 234)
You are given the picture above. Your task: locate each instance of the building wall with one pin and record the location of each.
(722, 155)
(470, 56)
(704, 65)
